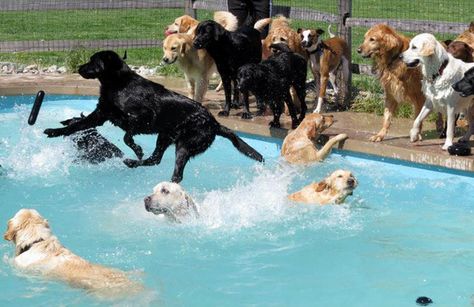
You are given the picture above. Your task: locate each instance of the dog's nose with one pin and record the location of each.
(359, 50)
(165, 59)
(351, 182)
(147, 201)
(400, 56)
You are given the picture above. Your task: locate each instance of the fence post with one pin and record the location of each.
(345, 11)
(188, 8)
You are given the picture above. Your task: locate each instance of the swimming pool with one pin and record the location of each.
(406, 232)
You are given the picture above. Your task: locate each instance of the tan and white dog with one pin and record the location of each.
(440, 71)
(170, 200)
(325, 57)
(299, 145)
(38, 251)
(332, 190)
(187, 24)
(197, 65)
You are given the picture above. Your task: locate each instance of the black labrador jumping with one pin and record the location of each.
(230, 50)
(140, 106)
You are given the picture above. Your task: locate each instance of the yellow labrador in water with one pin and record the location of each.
(298, 146)
(38, 251)
(334, 189)
(170, 199)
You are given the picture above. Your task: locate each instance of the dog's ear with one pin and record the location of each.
(10, 233)
(447, 42)
(393, 44)
(427, 49)
(218, 31)
(471, 27)
(320, 186)
(124, 55)
(299, 31)
(319, 31)
(183, 48)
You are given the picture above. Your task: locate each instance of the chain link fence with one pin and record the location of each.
(47, 30)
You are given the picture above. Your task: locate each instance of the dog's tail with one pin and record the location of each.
(281, 47)
(239, 143)
(262, 23)
(226, 19)
(331, 35)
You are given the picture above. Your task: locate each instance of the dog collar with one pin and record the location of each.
(440, 71)
(319, 49)
(29, 246)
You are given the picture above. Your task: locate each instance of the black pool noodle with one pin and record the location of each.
(459, 149)
(36, 108)
(424, 301)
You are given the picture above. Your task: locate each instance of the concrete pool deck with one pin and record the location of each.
(358, 126)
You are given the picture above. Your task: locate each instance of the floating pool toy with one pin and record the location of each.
(36, 108)
(459, 149)
(424, 301)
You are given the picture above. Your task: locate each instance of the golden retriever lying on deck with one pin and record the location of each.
(39, 251)
(298, 146)
(332, 190)
(400, 83)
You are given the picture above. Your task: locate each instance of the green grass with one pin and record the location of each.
(150, 24)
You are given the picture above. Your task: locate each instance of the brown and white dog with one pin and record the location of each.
(38, 251)
(461, 50)
(400, 83)
(325, 57)
(332, 190)
(187, 24)
(299, 145)
(197, 65)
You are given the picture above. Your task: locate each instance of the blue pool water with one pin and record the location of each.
(406, 232)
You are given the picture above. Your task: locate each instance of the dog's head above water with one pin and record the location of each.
(171, 200)
(103, 64)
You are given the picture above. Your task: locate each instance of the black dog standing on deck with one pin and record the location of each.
(230, 50)
(140, 106)
(270, 82)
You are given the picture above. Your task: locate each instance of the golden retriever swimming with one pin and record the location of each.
(197, 65)
(400, 83)
(332, 190)
(38, 251)
(299, 145)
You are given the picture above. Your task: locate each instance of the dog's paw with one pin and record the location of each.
(376, 138)
(246, 115)
(52, 133)
(132, 163)
(415, 135)
(223, 113)
(274, 124)
(446, 145)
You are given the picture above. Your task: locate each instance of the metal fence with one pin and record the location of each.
(60, 25)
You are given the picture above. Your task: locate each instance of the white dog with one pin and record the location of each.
(38, 251)
(171, 200)
(440, 71)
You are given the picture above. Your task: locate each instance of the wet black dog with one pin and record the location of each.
(91, 145)
(140, 106)
(465, 86)
(230, 50)
(270, 82)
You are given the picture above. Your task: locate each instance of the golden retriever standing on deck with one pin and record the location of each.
(187, 24)
(38, 251)
(400, 83)
(332, 190)
(299, 145)
(197, 65)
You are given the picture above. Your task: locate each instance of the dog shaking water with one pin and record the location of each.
(140, 106)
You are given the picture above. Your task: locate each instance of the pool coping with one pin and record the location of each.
(358, 126)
